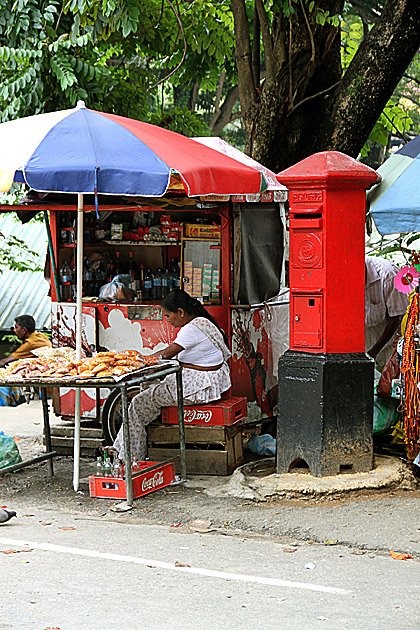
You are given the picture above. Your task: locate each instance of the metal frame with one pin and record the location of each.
(152, 374)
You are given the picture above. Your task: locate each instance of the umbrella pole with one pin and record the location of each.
(79, 277)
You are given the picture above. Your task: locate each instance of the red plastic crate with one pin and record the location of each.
(223, 412)
(149, 481)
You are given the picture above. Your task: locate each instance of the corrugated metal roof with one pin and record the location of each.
(24, 292)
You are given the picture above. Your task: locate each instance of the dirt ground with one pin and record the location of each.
(32, 488)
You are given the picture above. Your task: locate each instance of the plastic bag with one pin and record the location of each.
(117, 290)
(9, 452)
(262, 444)
(390, 372)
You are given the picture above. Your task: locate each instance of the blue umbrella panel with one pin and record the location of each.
(395, 201)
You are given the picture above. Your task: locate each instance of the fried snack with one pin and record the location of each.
(102, 365)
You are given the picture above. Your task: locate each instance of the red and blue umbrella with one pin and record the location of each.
(395, 201)
(85, 151)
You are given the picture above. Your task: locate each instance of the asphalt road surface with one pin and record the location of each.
(60, 570)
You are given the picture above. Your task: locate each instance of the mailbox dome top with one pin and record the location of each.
(329, 168)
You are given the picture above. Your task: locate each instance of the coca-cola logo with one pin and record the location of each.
(152, 482)
(197, 414)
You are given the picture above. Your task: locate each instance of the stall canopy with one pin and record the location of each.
(395, 201)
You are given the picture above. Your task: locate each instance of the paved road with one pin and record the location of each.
(104, 574)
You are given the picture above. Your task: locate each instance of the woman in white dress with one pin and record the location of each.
(201, 348)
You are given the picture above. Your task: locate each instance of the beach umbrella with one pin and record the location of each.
(85, 151)
(395, 202)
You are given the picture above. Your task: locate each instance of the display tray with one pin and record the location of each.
(78, 380)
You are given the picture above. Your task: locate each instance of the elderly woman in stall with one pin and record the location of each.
(201, 348)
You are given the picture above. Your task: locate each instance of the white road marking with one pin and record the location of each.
(221, 575)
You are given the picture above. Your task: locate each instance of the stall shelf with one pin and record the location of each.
(145, 375)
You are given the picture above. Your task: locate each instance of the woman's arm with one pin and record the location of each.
(170, 352)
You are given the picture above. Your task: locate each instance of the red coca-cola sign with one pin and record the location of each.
(198, 415)
(154, 482)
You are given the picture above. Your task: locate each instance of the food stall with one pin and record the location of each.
(161, 244)
(100, 158)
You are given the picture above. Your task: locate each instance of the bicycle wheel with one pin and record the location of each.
(111, 417)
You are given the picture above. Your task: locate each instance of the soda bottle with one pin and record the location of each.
(148, 285)
(116, 467)
(107, 468)
(111, 273)
(157, 285)
(99, 470)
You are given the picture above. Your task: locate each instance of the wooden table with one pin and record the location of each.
(145, 375)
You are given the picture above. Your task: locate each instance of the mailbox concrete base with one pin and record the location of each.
(325, 413)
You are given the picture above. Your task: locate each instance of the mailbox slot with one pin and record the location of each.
(306, 321)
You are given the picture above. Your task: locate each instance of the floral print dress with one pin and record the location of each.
(199, 387)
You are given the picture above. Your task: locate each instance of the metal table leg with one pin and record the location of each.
(47, 431)
(181, 425)
(127, 447)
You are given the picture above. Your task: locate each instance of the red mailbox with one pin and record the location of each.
(325, 380)
(327, 244)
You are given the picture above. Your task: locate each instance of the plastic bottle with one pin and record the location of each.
(148, 285)
(157, 285)
(87, 275)
(65, 272)
(166, 282)
(176, 276)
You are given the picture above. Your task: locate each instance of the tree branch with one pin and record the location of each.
(180, 28)
(225, 113)
(267, 42)
(247, 92)
(311, 37)
(373, 74)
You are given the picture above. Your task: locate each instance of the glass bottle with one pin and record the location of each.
(117, 263)
(107, 465)
(111, 272)
(99, 467)
(140, 283)
(116, 467)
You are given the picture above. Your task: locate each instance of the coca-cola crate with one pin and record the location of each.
(143, 482)
(223, 412)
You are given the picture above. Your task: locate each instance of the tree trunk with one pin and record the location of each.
(309, 105)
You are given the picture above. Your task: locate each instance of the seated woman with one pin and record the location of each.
(201, 348)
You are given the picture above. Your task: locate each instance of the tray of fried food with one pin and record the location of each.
(104, 365)
(31, 368)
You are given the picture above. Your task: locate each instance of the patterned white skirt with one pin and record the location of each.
(199, 387)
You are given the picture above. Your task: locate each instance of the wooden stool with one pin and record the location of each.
(210, 450)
